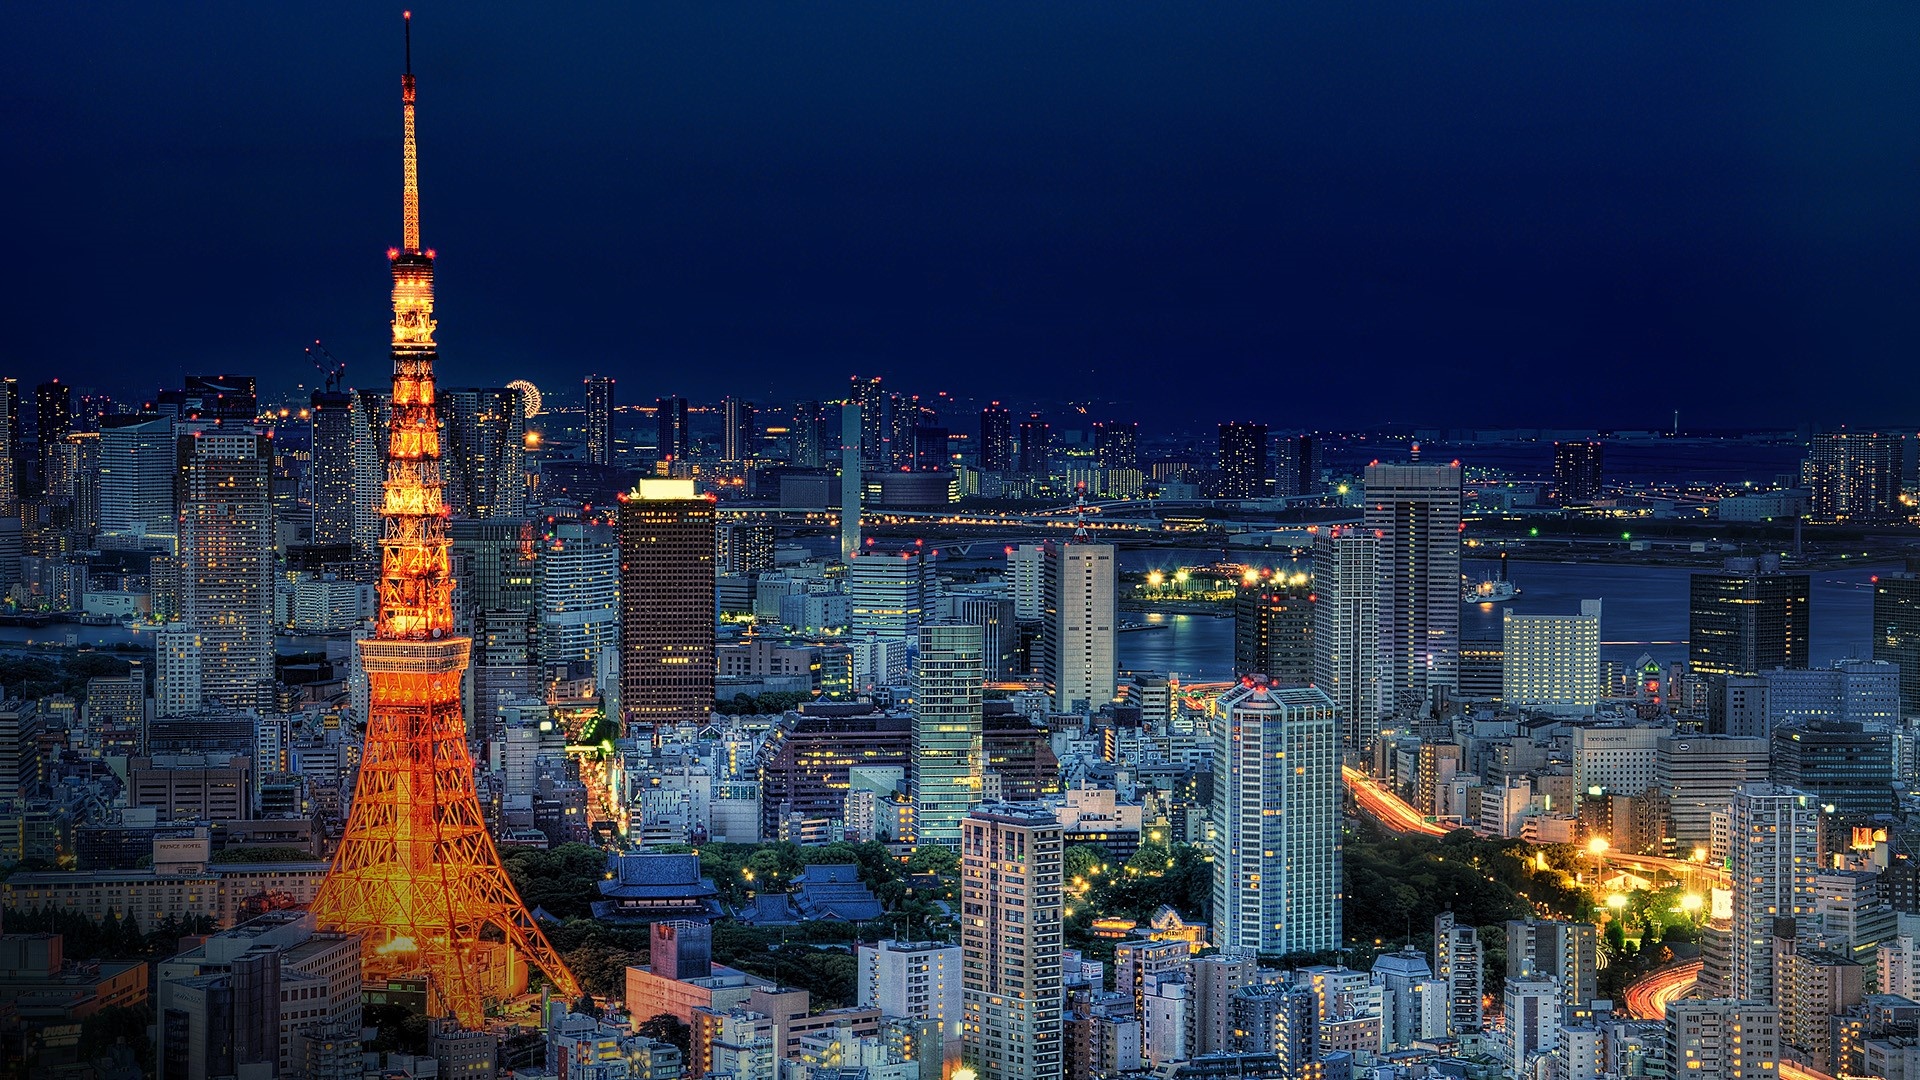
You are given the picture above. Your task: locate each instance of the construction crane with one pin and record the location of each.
(323, 361)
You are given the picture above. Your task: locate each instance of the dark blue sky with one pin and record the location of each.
(1317, 214)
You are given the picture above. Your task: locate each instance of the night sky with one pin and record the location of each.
(1313, 214)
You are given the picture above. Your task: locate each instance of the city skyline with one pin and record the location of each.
(1688, 194)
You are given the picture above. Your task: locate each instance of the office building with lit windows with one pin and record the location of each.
(226, 562)
(1080, 625)
(1276, 806)
(1773, 851)
(1010, 942)
(599, 426)
(1748, 617)
(1346, 630)
(944, 772)
(996, 439)
(1243, 461)
(889, 591)
(666, 603)
(1854, 476)
(1415, 511)
(1551, 662)
(1577, 471)
(1896, 629)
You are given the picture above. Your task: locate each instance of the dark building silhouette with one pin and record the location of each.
(1748, 617)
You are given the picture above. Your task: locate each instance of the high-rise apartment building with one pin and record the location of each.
(996, 439)
(851, 482)
(599, 425)
(372, 421)
(1773, 853)
(815, 438)
(486, 451)
(226, 561)
(674, 440)
(1243, 461)
(1415, 510)
(1010, 907)
(1273, 631)
(15, 449)
(1026, 581)
(330, 472)
(1116, 444)
(1748, 617)
(875, 422)
(1457, 960)
(53, 420)
(666, 603)
(915, 979)
(889, 592)
(944, 770)
(1297, 465)
(1854, 476)
(1896, 629)
(580, 593)
(1036, 437)
(739, 431)
(1722, 1039)
(1551, 662)
(1276, 866)
(137, 462)
(1080, 625)
(1577, 471)
(1555, 949)
(1346, 630)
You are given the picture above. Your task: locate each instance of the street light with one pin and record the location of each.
(1692, 902)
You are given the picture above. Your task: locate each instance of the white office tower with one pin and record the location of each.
(136, 476)
(226, 562)
(1024, 576)
(1457, 960)
(1898, 964)
(889, 592)
(1080, 625)
(944, 770)
(1551, 662)
(1346, 630)
(1276, 809)
(1722, 1040)
(579, 594)
(176, 670)
(1010, 906)
(850, 481)
(916, 979)
(1415, 510)
(1773, 853)
(1532, 1011)
(1416, 1003)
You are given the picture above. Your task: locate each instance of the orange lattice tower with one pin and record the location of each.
(417, 875)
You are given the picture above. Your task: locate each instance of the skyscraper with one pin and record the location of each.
(1035, 437)
(1748, 617)
(1116, 444)
(1551, 661)
(1079, 625)
(226, 552)
(666, 603)
(816, 440)
(851, 468)
(600, 419)
(739, 434)
(944, 771)
(1773, 852)
(1273, 631)
(1896, 630)
(1854, 476)
(996, 439)
(889, 592)
(372, 424)
(52, 419)
(330, 473)
(875, 423)
(1243, 460)
(673, 441)
(487, 451)
(1010, 942)
(138, 456)
(1276, 865)
(1346, 630)
(1297, 464)
(1577, 471)
(580, 593)
(1415, 510)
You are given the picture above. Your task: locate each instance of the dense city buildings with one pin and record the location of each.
(666, 603)
(486, 432)
(1415, 512)
(1276, 804)
(948, 749)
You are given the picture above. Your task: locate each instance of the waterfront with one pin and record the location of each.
(1643, 611)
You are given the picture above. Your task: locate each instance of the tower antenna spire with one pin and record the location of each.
(410, 225)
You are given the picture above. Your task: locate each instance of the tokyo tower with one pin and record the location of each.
(417, 875)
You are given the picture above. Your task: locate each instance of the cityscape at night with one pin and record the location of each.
(995, 542)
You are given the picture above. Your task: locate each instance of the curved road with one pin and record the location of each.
(1647, 998)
